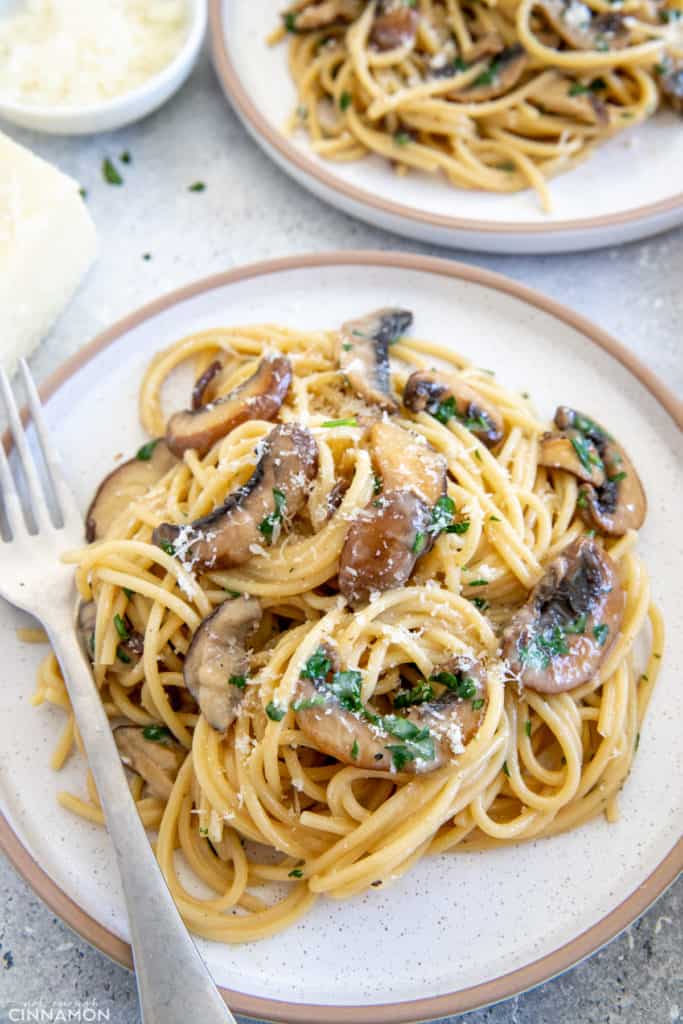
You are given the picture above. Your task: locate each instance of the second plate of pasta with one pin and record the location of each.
(531, 127)
(383, 606)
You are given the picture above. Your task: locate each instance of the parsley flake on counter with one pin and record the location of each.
(145, 453)
(197, 186)
(110, 174)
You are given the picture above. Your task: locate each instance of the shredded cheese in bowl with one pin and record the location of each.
(66, 53)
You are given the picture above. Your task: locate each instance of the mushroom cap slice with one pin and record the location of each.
(574, 453)
(328, 710)
(258, 398)
(126, 484)
(447, 398)
(217, 660)
(671, 83)
(203, 383)
(618, 503)
(363, 353)
(157, 760)
(502, 74)
(576, 24)
(405, 463)
(559, 96)
(560, 637)
(394, 25)
(321, 13)
(253, 514)
(383, 544)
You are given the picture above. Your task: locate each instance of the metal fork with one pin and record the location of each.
(174, 985)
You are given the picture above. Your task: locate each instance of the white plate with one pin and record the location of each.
(458, 930)
(627, 190)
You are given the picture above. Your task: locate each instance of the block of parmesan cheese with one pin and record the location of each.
(47, 243)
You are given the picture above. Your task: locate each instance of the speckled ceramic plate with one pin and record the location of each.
(458, 930)
(627, 190)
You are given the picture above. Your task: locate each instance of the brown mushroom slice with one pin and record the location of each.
(203, 382)
(670, 79)
(329, 711)
(500, 76)
(573, 453)
(253, 515)
(320, 14)
(561, 636)
(561, 95)
(217, 661)
(363, 353)
(576, 24)
(383, 544)
(258, 398)
(126, 484)
(405, 463)
(151, 752)
(619, 503)
(429, 391)
(394, 25)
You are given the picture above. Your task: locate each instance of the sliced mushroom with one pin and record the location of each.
(217, 662)
(428, 391)
(570, 98)
(501, 75)
(395, 25)
(363, 353)
(488, 45)
(258, 398)
(86, 619)
(560, 637)
(404, 463)
(254, 514)
(313, 15)
(618, 503)
(671, 83)
(126, 484)
(329, 710)
(574, 453)
(383, 544)
(153, 753)
(203, 383)
(577, 25)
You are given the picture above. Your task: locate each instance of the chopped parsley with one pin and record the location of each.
(600, 633)
(289, 20)
(527, 727)
(347, 346)
(346, 688)
(122, 656)
(637, 743)
(157, 733)
(478, 704)
(543, 647)
(402, 138)
(239, 681)
(586, 453)
(419, 543)
(480, 602)
(355, 750)
(167, 546)
(442, 518)
(489, 76)
(418, 743)
(309, 702)
(318, 666)
(145, 453)
(461, 685)
(377, 484)
(617, 477)
(420, 693)
(506, 770)
(478, 583)
(232, 594)
(579, 88)
(345, 100)
(197, 186)
(275, 712)
(351, 421)
(578, 626)
(128, 592)
(296, 873)
(125, 157)
(121, 627)
(110, 174)
(268, 525)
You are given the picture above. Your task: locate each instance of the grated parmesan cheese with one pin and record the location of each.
(69, 53)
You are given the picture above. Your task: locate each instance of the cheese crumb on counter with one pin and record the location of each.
(70, 53)
(47, 243)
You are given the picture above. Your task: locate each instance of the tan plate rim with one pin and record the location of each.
(243, 104)
(421, 1009)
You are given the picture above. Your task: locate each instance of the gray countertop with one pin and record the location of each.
(251, 211)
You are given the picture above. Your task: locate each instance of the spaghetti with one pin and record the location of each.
(499, 96)
(444, 747)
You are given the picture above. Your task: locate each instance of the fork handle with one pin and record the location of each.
(174, 985)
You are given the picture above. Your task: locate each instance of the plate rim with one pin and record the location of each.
(291, 155)
(425, 1008)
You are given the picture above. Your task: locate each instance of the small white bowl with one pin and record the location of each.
(121, 110)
